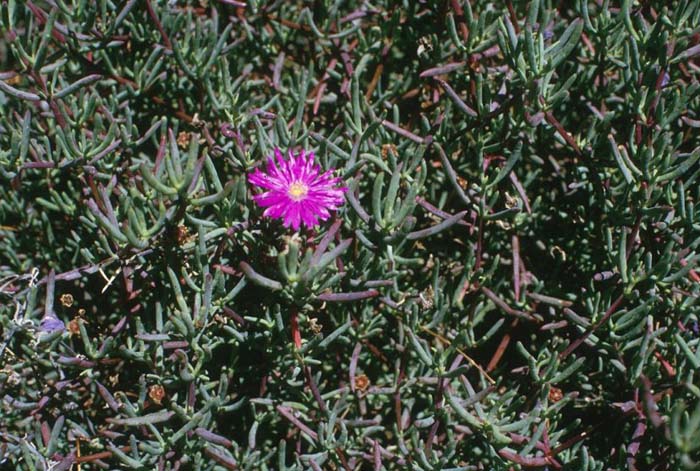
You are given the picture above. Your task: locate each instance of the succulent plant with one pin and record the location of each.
(490, 263)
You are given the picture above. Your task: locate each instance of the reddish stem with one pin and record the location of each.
(294, 321)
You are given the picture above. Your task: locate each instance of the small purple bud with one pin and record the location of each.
(52, 324)
(695, 327)
(665, 79)
(548, 33)
(604, 275)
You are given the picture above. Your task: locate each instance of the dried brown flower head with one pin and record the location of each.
(183, 139)
(361, 382)
(182, 234)
(315, 326)
(74, 326)
(555, 394)
(156, 392)
(386, 148)
(66, 300)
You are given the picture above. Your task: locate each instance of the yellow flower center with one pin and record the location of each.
(297, 191)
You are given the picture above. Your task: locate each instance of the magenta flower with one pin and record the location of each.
(297, 191)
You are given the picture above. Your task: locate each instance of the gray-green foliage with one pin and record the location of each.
(511, 283)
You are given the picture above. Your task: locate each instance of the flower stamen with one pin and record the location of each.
(297, 191)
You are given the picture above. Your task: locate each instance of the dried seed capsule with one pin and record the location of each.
(156, 392)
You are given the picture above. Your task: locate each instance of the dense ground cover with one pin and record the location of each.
(504, 277)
